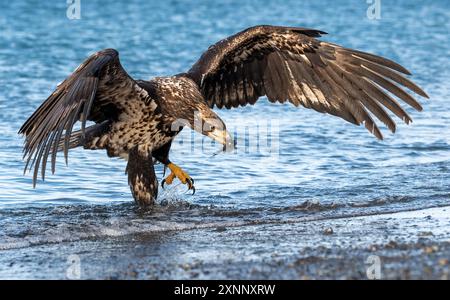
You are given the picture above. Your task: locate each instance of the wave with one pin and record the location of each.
(44, 224)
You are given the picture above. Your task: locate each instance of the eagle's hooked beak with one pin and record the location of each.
(224, 137)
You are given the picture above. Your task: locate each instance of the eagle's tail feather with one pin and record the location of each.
(77, 138)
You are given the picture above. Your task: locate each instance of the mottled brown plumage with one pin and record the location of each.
(289, 64)
(135, 119)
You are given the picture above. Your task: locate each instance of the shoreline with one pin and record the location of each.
(407, 245)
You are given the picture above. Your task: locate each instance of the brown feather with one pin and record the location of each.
(286, 63)
(72, 100)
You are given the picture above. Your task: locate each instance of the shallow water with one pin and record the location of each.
(320, 168)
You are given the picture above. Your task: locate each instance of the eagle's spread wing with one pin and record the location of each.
(87, 94)
(286, 63)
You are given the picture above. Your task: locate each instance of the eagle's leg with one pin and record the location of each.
(162, 155)
(177, 172)
(141, 177)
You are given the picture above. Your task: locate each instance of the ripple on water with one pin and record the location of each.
(322, 166)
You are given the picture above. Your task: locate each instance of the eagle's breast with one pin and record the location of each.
(141, 123)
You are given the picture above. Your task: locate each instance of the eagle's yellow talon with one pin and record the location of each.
(176, 171)
(169, 179)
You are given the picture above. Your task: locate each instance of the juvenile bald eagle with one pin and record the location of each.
(134, 119)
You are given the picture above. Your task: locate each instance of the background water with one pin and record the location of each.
(325, 169)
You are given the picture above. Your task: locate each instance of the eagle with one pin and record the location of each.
(137, 119)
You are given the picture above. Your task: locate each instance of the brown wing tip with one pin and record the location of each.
(379, 135)
(308, 31)
(109, 51)
(373, 129)
(422, 93)
(402, 69)
(415, 104)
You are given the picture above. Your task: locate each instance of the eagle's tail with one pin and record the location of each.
(91, 134)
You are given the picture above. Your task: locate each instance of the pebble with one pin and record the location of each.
(328, 231)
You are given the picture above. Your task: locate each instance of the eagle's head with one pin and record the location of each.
(208, 123)
(189, 107)
(198, 116)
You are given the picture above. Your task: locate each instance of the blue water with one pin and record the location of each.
(323, 167)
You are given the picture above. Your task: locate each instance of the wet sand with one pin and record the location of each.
(407, 245)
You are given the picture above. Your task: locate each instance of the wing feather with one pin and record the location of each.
(87, 90)
(288, 63)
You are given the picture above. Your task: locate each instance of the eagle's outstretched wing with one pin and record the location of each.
(288, 63)
(87, 94)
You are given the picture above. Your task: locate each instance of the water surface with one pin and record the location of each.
(323, 168)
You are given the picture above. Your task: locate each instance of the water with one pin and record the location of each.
(324, 169)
